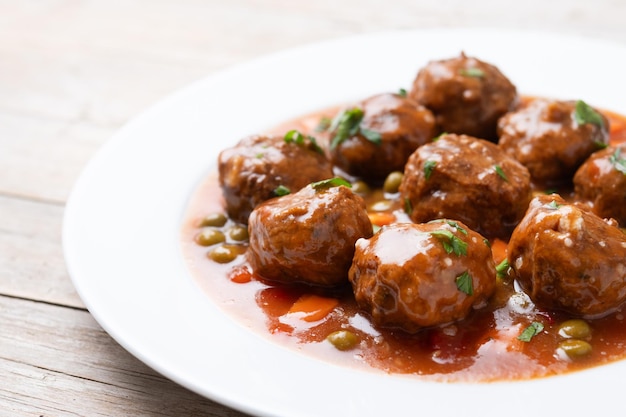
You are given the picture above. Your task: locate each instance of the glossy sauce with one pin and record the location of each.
(483, 347)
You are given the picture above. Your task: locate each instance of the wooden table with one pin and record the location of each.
(71, 73)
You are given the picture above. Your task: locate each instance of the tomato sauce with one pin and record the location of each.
(486, 346)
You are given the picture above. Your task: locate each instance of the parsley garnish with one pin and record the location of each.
(584, 114)
(500, 172)
(450, 242)
(554, 205)
(452, 223)
(348, 123)
(472, 72)
(465, 283)
(323, 124)
(402, 92)
(331, 182)
(281, 190)
(429, 166)
(531, 331)
(617, 161)
(294, 136)
(408, 206)
(502, 268)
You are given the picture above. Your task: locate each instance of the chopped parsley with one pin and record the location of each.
(429, 166)
(502, 268)
(347, 124)
(323, 124)
(554, 205)
(584, 114)
(294, 136)
(472, 72)
(408, 206)
(465, 283)
(500, 172)
(281, 190)
(331, 182)
(402, 92)
(531, 331)
(450, 242)
(617, 161)
(452, 223)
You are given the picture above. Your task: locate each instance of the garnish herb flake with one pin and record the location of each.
(294, 136)
(617, 161)
(451, 223)
(531, 331)
(450, 242)
(402, 92)
(500, 172)
(429, 166)
(348, 123)
(502, 268)
(408, 206)
(472, 72)
(331, 182)
(281, 190)
(584, 114)
(323, 124)
(554, 205)
(465, 283)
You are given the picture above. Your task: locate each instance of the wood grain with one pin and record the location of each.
(72, 72)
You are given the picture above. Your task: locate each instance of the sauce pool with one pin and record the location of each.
(484, 347)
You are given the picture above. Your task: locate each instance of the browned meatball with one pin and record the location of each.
(467, 95)
(552, 138)
(601, 181)
(261, 167)
(377, 136)
(308, 237)
(469, 179)
(411, 276)
(569, 259)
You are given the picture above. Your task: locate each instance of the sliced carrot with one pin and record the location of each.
(311, 307)
(240, 275)
(498, 250)
(381, 218)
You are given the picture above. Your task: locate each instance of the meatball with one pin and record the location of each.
(377, 136)
(601, 181)
(308, 237)
(566, 258)
(467, 95)
(553, 138)
(261, 167)
(468, 179)
(410, 276)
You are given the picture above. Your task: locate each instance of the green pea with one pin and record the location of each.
(360, 187)
(224, 254)
(214, 220)
(238, 233)
(208, 237)
(575, 348)
(343, 339)
(575, 329)
(392, 182)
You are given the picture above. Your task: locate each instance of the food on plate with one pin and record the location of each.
(566, 258)
(468, 179)
(467, 95)
(260, 167)
(601, 183)
(377, 135)
(412, 276)
(363, 235)
(308, 236)
(552, 138)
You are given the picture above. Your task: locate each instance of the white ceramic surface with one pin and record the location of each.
(122, 225)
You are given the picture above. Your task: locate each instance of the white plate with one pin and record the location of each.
(122, 225)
